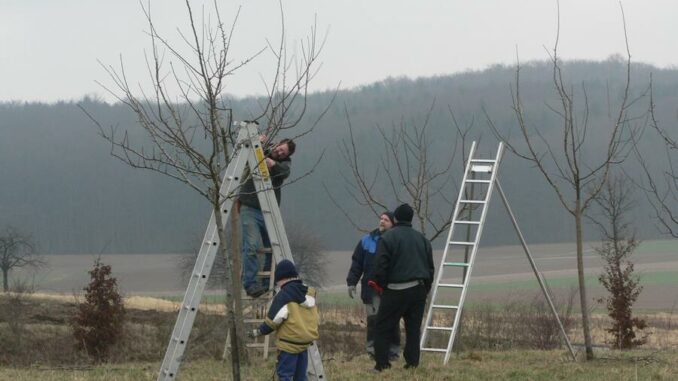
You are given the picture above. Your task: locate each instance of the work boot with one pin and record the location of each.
(255, 291)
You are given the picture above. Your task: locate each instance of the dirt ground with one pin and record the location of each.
(499, 272)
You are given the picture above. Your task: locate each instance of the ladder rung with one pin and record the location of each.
(483, 161)
(444, 307)
(264, 250)
(434, 350)
(253, 321)
(451, 285)
(255, 345)
(472, 201)
(465, 222)
(439, 328)
(264, 274)
(458, 264)
(478, 181)
(461, 243)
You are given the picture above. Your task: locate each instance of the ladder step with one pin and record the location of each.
(451, 285)
(439, 328)
(457, 264)
(461, 243)
(472, 201)
(483, 161)
(445, 307)
(264, 250)
(465, 222)
(264, 274)
(434, 350)
(478, 181)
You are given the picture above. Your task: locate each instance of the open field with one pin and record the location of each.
(500, 273)
(38, 345)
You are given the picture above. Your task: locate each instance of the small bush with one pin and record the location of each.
(99, 320)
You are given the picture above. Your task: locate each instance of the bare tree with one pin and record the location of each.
(406, 170)
(571, 169)
(619, 242)
(660, 187)
(17, 250)
(307, 250)
(188, 119)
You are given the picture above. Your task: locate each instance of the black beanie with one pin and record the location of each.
(403, 213)
(285, 269)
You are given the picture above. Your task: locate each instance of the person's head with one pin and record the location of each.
(385, 221)
(403, 213)
(283, 150)
(284, 272)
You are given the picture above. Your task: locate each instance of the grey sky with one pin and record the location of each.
(49, 49)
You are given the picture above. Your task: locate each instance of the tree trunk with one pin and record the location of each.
(235, 274)
(5, 280)
(582, 281)
(230, 313)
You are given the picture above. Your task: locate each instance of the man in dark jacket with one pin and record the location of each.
(362, 269)
(404, 271)
(253, 228)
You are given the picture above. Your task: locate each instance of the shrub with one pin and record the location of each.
(98, 322)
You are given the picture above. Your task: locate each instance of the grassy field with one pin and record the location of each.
(508, 365)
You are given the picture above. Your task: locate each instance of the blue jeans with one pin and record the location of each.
(292, 366)
(254, 237)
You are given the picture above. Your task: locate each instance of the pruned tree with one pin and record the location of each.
(188, 118)
(405, 171)
(614, 204)
(575, 172)
(17, 250)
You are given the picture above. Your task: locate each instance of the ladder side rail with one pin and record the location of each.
(536, 271)
(441, 267)
(280, 246)
(479, 233)
(201, 271)
(188, 309)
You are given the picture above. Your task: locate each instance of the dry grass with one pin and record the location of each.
(474, 366)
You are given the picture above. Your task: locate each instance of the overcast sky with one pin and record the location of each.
(49, 49)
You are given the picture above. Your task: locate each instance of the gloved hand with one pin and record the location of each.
(253, 333)
(351, 291)
(376, 287)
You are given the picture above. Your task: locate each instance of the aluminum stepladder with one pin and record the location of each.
(248, 151)
(483, 174)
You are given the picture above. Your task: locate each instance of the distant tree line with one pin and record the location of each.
(60, 184)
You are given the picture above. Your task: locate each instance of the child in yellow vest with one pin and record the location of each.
(294, 316)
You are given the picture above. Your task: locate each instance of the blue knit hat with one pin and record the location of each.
(285, 269)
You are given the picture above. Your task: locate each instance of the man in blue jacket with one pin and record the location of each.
(362, 269)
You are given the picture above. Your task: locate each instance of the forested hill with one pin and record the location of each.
(59, 182)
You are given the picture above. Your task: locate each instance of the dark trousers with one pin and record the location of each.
(292, 366)
(408, 304)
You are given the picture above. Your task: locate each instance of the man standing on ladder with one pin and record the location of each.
(404, 275)
(362, 269)
(253, 228)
